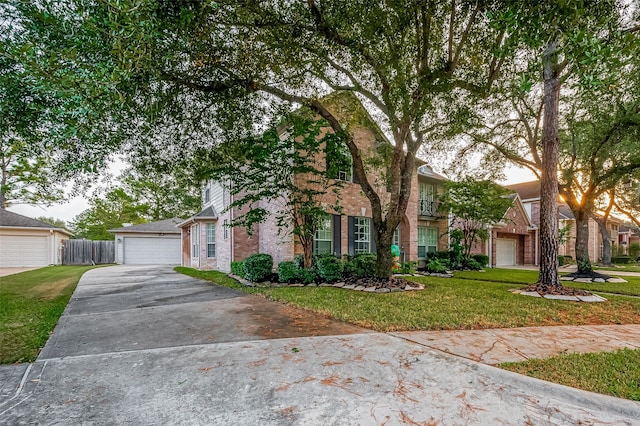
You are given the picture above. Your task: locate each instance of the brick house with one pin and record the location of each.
(529, 192)
(626, 236)
(513, 240)
(209, 243)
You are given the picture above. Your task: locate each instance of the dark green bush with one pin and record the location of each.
(561, 260)
(472, 264)
(435, 265)
(287, 272)
(258, 267)
(621, 259)
(634, 250)
(441, 255)
(237, 268)
(482, 259)
(408, 267)
(361, 265)
(329, 268)
(306, 276)
(299, 261)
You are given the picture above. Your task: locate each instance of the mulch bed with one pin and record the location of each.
(560, 291)
(592, 275)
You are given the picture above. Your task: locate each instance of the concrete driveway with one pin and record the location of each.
(145, 345)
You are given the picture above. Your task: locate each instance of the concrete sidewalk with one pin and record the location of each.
(494, 346)
(145, 345)
(573, 268)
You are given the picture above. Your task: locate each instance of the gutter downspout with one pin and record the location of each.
(537, 261)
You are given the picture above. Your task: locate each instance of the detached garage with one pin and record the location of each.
(26, 242)
(154, 243)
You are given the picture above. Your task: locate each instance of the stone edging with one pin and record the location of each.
(589, 299)
(593, 280)
(339, 284)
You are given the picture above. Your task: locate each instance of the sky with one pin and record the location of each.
(67, 211)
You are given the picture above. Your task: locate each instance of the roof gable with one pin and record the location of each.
(526, 190)
(167, 226)
(11, 219)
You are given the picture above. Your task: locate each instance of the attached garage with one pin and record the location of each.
(505, 252)
(147, 250)
(27, 242)
(154, 243)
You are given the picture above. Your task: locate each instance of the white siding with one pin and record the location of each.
(217, 197)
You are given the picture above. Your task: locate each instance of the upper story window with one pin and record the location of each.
(207, 195)
(339, 162)
(427, 200)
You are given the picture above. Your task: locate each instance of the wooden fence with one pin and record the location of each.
(87, 252)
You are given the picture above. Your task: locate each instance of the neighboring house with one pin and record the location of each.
(149, 243)
(627, 236)
(26, 242)
(529, 192)
(209, 242)
(512, 241)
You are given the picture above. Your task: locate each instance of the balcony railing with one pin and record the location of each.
(428, 208)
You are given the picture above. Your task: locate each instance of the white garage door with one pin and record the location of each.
(150, 251)
(17, 251)
(505, 252)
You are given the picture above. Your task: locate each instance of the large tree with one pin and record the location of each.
(417, 66)
(583, 53)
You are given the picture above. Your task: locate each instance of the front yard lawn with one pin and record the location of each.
(631, 288)
(446, 303)
(610, 373)
(628, 267)
(30, 305)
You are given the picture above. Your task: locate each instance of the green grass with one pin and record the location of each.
(517, 276)
(30, 305)
(628, 267)
(610, 373)
(446, 303)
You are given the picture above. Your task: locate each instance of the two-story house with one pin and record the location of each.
(208, 242)
(529, 192)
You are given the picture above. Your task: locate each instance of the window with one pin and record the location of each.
(396, 237)
(323, 241)
(427, 200)
(362, 235)
(427, 241)
(211, 240)
(207, 195)
(225, 225)
(341, 158)
(195, 240)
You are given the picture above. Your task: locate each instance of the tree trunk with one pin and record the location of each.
(383, 237)
(606, 241)
(549, 279)
(582, 241)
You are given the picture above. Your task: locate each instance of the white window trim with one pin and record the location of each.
(195, 240)
(211, 226)
(361, 237)
(327, 221)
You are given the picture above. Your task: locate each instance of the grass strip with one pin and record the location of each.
(31, 303)
(445, 304)
(609, 373)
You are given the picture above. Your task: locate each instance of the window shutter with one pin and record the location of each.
(354, 177)
(373, 237)
(337, 235)
(351, 236)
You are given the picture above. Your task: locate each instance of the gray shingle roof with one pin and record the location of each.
(167, 226)
(208, 213)
(12, 219)
(526, 190)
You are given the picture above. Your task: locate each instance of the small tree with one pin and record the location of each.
(288, 172)
(475, 206)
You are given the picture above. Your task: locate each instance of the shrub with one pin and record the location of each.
(561, 260)
(482, 259)
(621, 259)
(299, 261)
(306, 276)
(287, 272)
(435, 265)
(441, 255)
(472, 264)
(258, 267)
(361, 265)
(408, 267)
(329, 268)
(237, 268)
(634, 250)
